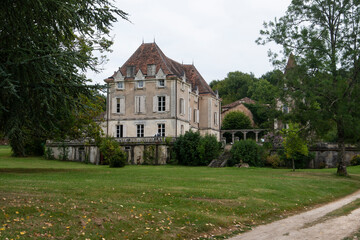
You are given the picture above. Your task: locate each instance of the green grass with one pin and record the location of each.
(44, 199)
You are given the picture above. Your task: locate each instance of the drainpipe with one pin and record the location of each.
(108, 80)
(176, 116)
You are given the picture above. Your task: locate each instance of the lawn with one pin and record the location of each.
(43, 199)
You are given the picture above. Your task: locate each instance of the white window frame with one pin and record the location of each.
(119, 131)
(140, 130)
(161, 85)
(142, 82)
(122, 83)
(118, 105)
(161, 103)
(161, 129)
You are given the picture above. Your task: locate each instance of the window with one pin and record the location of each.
(190, 111)
(161, 129)
(130, 71)
(140, 130)
(196, 115)
(118, 105)
(182, 106)
(151, 69)
(215, 118)
(139, 104)
(120, 85)
(161, 83)
(140, 84)
(161, 103)
(119, 131)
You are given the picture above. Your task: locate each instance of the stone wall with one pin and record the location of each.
(138, 153)
(326, 155)
(73, 151)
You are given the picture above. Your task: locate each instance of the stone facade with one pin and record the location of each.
(152, 94)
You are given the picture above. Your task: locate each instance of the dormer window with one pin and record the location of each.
(120, 85)
(151, 69)
(140, 84)
(161, 83)
(130, 71)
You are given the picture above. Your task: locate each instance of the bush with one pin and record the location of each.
(274, 161)
(355, 160)
(113, 155)
(191, 149)
(246, 151)
(208, 149)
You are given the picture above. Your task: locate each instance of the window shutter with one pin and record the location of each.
(155, 103)
(124, 131)
(122, 105)
(197, 116)
(137, 99)
(167, 103)
(190, 114)
(113, 105)
(142, 104)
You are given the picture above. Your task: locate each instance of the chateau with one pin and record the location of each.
(152, 96)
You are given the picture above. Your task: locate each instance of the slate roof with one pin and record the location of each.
(150, 53)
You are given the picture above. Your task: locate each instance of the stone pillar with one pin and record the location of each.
(244, 132)
(233, 137)
(256, 136)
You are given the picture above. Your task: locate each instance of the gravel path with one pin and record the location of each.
(293, 227)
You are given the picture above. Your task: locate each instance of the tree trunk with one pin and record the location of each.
(293, 164)
(341, 152)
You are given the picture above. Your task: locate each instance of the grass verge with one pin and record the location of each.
(43, 199)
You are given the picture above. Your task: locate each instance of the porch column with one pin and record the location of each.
(233, 137)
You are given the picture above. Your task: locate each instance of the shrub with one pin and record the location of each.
(191, 149)
(208, 149)
(355, 160)
(274, 161)
(246, 151)
(113, 155)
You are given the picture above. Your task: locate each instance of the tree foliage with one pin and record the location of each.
(45, 48)
(234, 87)
(113, 155)
(294, 143)
(236, 120)
(323, 88)
(192, 149)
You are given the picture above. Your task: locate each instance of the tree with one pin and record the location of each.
(234, 87)
(323, 86)
(294, 143)
(263, 92)
(45, 48)
(236, 120)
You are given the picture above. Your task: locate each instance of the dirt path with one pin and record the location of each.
(293, 227)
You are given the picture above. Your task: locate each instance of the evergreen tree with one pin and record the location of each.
(45, 48)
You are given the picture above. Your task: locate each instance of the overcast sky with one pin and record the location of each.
(217, 35)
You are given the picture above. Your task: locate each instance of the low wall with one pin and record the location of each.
(137, 153)
(73, 151)
(326, 155)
